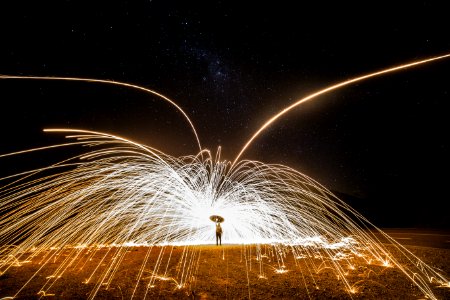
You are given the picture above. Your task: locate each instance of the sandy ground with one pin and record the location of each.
(210, 272)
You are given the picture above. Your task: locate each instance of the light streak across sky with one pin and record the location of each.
(330, 89)
(117, 194)
(112, 82)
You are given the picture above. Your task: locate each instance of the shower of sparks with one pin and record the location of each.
(118, 194)
(122, 194)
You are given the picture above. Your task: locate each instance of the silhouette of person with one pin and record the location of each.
(218, 234)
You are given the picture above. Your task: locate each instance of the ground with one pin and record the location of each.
(211, 272)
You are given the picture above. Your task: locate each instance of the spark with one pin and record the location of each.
(44, 294)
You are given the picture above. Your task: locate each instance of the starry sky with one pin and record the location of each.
(382, 144)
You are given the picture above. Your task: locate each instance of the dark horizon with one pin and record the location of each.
(381, 144)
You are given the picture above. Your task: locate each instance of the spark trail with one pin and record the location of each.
(330, 89)
(112, 82)
(117, 194)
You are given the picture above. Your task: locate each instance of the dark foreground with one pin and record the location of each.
(419, 237)
(230, 271)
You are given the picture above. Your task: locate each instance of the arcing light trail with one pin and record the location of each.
(112, 82)
(330, 89)
(118, 194)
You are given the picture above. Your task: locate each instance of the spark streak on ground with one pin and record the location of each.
(330, 89)
(112, 82)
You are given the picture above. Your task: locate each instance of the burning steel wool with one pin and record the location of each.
(118, 194)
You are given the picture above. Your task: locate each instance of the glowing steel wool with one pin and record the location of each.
(118, 194)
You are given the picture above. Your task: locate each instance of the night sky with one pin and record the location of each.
(382, 144)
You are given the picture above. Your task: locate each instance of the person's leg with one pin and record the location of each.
(220, 239)
(217, 239)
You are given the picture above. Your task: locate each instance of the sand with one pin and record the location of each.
(216, 272)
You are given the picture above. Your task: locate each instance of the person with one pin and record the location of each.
(218, 234)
